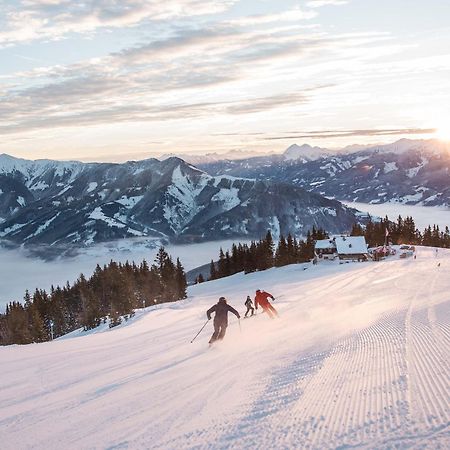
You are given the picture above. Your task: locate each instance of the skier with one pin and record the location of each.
(262, 299)
(249, 304)
(221, 310)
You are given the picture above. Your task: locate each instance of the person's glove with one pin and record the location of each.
(239, 317)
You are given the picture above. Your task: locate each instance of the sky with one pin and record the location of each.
(111, 80)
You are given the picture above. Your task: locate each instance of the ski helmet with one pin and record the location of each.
(222, 300)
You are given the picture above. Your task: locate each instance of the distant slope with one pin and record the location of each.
(359, 358)
(52, 204)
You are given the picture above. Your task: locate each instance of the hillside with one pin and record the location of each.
(359, 357)
(51, 204)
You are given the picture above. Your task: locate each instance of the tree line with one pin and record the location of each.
(112, 292)
(403, 231)
(263, 254)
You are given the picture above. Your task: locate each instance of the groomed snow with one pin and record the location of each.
(358, 358)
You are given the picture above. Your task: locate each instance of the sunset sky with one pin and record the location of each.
(128, 79)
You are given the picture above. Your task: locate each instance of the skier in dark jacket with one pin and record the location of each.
(249, 304)
(221, 310)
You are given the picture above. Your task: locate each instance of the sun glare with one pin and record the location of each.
(443, 133)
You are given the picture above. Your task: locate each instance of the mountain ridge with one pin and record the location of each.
(79, 204)
(406, 171)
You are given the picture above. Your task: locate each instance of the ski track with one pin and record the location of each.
(382, 385)
(386, 386)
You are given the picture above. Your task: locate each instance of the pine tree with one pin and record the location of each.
(281, 253)
(222, 265)
(181, 281)
(212, 271)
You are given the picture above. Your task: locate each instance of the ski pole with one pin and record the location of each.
(240, 329)
(201, 329)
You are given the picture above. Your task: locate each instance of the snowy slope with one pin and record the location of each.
(358, 358)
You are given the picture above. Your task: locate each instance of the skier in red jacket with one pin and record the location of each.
(262, 299)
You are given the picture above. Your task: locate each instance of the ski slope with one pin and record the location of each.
(359, 358)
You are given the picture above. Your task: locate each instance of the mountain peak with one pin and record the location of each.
(304, 151)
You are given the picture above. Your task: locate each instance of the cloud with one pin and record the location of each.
(133, 84)
(207, 69)
(292, 15)
(320, 3)
(106, 114)
(323, 134)
(53, 19)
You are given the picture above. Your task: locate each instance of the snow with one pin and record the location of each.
(11, 229)
(358, 159)
(43, 227)
(390, 167)
(330, 211)
(413, 197)
(415, 170)
(430, 146)
(365, 367)
(275, 228)
(229, 198)
(315, 183)
(422, 215)
(185, 192)
(39, 186)
(21, 201)
(306, 152)
(92, 186)
(324, 244)
(98, 214)
(130, 202)
(351, 245)
(32, 170)
(218, 179)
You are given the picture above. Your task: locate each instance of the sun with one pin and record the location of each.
(443, 132)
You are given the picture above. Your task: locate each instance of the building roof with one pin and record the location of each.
(325, 244)
(351, 245)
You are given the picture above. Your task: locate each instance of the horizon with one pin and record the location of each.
(96, 81)
(121, 159)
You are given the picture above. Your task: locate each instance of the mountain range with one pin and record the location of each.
(54, 204)
(407, 171)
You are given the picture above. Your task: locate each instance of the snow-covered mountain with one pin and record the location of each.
(358, 359)
(407, 171)
(211, 157)
(76, 204)
(305, 152)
